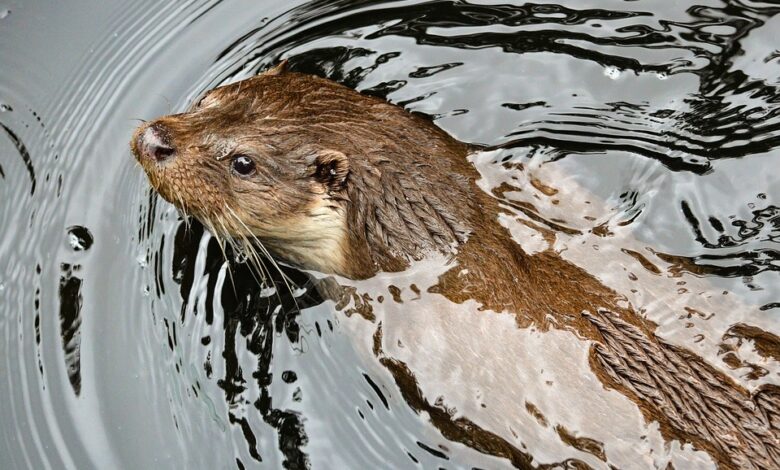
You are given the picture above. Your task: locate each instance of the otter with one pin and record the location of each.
(342, 183)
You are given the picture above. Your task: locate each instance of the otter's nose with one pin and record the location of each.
(154, 143)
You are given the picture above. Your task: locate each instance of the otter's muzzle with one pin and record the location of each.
(153, 144)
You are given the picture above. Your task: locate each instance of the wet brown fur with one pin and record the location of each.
(405, 189)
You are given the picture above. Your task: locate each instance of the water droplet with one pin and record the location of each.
(241, 256)
(612, 72)
(141, 260)
(289, 376)
(662, 75)
(267, 291)
(146, 291)
(299, 291)
(4, 13)
(79, 238)
(5, 108)
(2, 286)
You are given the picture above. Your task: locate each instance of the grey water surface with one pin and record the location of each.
(128, 341)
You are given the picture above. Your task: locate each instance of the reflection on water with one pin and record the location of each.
(636, 139)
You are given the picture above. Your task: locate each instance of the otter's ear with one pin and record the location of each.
(278, 69)
(331, 169)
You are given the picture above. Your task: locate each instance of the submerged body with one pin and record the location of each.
(342, 183)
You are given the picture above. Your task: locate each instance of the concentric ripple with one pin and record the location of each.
(643, 136)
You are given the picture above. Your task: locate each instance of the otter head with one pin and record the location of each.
(321, 175)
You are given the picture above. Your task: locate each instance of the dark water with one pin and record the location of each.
(126, 342)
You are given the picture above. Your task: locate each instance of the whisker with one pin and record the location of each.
(220, 242)
(183, 209)
(263, 248)
(255, 256)
(268, 256)
(256, 262)
(241, 249)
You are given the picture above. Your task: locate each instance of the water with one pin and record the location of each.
(648, 134)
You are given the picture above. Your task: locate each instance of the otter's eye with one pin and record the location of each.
(243, 165)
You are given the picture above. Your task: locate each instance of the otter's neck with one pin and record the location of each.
(398, 215)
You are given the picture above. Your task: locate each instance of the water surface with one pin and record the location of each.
(646, 133)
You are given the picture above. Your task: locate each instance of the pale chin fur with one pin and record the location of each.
(316, 241)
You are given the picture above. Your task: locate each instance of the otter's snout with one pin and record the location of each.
(154, 144)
